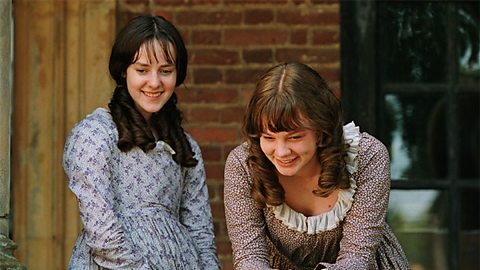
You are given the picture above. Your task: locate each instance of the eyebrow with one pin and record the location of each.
(288, 132)
(147, 65)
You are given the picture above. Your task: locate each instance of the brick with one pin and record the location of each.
(214, 56)
(326, 36)
(227, 264)
(325, 1)
(221, 191)
(232, 114)
(307, 56)
(298, 37)
(255, 1)
(258, 16)
(213, 192)
(136, 2)
(298, 2)
(297, 16)
(211, 152)
(212, 95)
(127, 16)
(214, 134)
(246, 93)
(224, 248)
(230, 44)
(164, 13)
(218, 226)
(218, 210)
(214, 171)
(255, 36)
(257, 55)
(206, 75)
(209, 18)
(163, 3)
(243, 75)
(203, 115)
(229, 147)
(330, 74)
(185, 36)
(208, 2)
(206, 37)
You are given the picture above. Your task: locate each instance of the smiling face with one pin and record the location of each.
(151, 80)
(293, 153)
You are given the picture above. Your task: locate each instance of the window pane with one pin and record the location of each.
(415, 135)
(413, 41)
(470, 229)
(468, 32)
(469, 135)
(419, 220)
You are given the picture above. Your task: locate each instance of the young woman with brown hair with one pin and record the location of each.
(306, 191)
(138, 177)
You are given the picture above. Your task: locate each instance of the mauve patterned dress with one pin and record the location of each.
(352, 235)
(139, 210)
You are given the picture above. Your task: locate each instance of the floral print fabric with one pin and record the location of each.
(362, 240)
(139, 210)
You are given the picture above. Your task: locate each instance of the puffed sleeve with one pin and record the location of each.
(364, 224)
(87, 164)
(245, 222)
(195, 211)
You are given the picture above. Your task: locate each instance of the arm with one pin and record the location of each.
(86, 162)
(245, 222)
(195, 212)
(364, 224)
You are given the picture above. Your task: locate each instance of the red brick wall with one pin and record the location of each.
(230, 42)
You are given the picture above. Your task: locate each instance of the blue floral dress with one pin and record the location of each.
(139, 210)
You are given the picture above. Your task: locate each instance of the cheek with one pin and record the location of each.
(172, 82)
(266, 147)
(132, 82)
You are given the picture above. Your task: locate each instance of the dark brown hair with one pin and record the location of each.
(132, 128)
(287, 97)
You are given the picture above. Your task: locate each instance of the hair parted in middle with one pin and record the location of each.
(133, 129)
(290, 96)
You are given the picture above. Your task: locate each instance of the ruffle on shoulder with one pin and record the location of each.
(328, 220)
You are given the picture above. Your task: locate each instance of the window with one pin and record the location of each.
(411, 77)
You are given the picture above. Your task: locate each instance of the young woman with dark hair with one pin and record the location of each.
(138, 177)
(306, 191)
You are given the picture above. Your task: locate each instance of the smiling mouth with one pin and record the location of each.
(286, 162)
(152, 94)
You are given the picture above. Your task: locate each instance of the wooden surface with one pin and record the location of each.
(5, 106)
(61, 74)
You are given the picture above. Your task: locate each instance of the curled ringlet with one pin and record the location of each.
(287, 97)
(159, 38)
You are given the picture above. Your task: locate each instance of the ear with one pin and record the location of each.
(124, 75)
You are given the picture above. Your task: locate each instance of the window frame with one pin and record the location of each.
(363, 93)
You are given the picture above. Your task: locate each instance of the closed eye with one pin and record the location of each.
(166, 71)
(267, 137)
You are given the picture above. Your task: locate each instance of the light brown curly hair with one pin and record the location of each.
(287, 97)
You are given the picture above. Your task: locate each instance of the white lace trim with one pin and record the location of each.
(328, 220)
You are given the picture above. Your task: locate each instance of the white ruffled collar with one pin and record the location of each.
(328, 220)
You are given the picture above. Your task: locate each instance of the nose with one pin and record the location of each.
(154, 81)
(282, 149)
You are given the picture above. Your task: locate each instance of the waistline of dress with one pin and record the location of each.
(151, 211)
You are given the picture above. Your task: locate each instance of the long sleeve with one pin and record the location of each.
(87, 163)
(363, 226)
(245, 222)
(195, 212)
